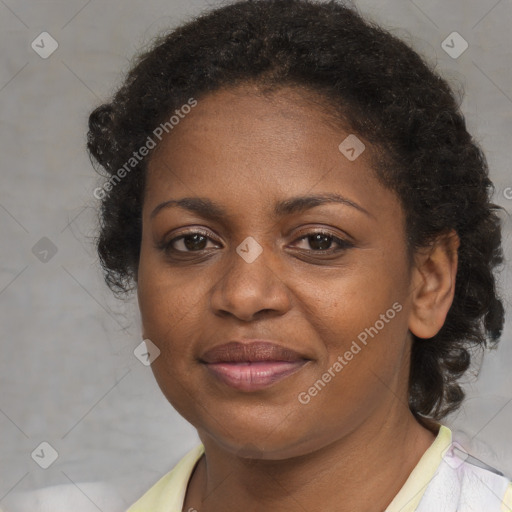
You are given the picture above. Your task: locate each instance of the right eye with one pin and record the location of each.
(191, 241)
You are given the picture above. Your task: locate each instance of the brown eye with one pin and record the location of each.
(322, 242)
(193, 241)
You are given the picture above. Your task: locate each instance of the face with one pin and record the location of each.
(328, 281)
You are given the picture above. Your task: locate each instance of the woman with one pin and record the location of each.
(294, 196)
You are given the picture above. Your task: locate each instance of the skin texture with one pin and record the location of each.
(355, 443)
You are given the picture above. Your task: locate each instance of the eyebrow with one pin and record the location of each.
(209, 209)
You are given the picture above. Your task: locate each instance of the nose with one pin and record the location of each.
(249, 289)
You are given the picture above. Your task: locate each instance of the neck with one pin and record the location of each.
(361, 471)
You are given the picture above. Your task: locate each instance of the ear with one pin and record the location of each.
(433, 285)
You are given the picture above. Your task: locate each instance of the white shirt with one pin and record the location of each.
(446, 479)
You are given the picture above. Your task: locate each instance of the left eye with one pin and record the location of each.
(322, 242)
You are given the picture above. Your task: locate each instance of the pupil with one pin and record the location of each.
(319, 241)
(193, 244)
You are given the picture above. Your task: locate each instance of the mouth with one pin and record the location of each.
(252, 366)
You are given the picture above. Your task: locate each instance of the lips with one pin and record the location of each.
(250, 366)
(255, 351)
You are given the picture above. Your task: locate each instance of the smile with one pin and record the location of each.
(253, 376)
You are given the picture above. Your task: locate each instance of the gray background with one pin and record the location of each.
(68, 375)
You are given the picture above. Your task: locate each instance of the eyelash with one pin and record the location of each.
(343, 244)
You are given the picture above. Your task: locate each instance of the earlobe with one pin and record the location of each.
(433, 285)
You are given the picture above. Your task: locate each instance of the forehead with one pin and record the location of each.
(247, 120)
(242, 145)
(283, 114)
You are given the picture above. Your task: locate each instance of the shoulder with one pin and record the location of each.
(507, 500)
(464, 483)
(168, 494)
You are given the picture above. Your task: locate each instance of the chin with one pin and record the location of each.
(274, 439)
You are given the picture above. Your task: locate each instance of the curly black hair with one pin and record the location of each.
(372, 82)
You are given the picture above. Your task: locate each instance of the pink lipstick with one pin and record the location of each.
(252, 365)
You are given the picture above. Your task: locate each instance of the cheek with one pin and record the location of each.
(352, 299)
(361, 317)
(364, 333)
(165, 297)
(169, 319)
(170, 308)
